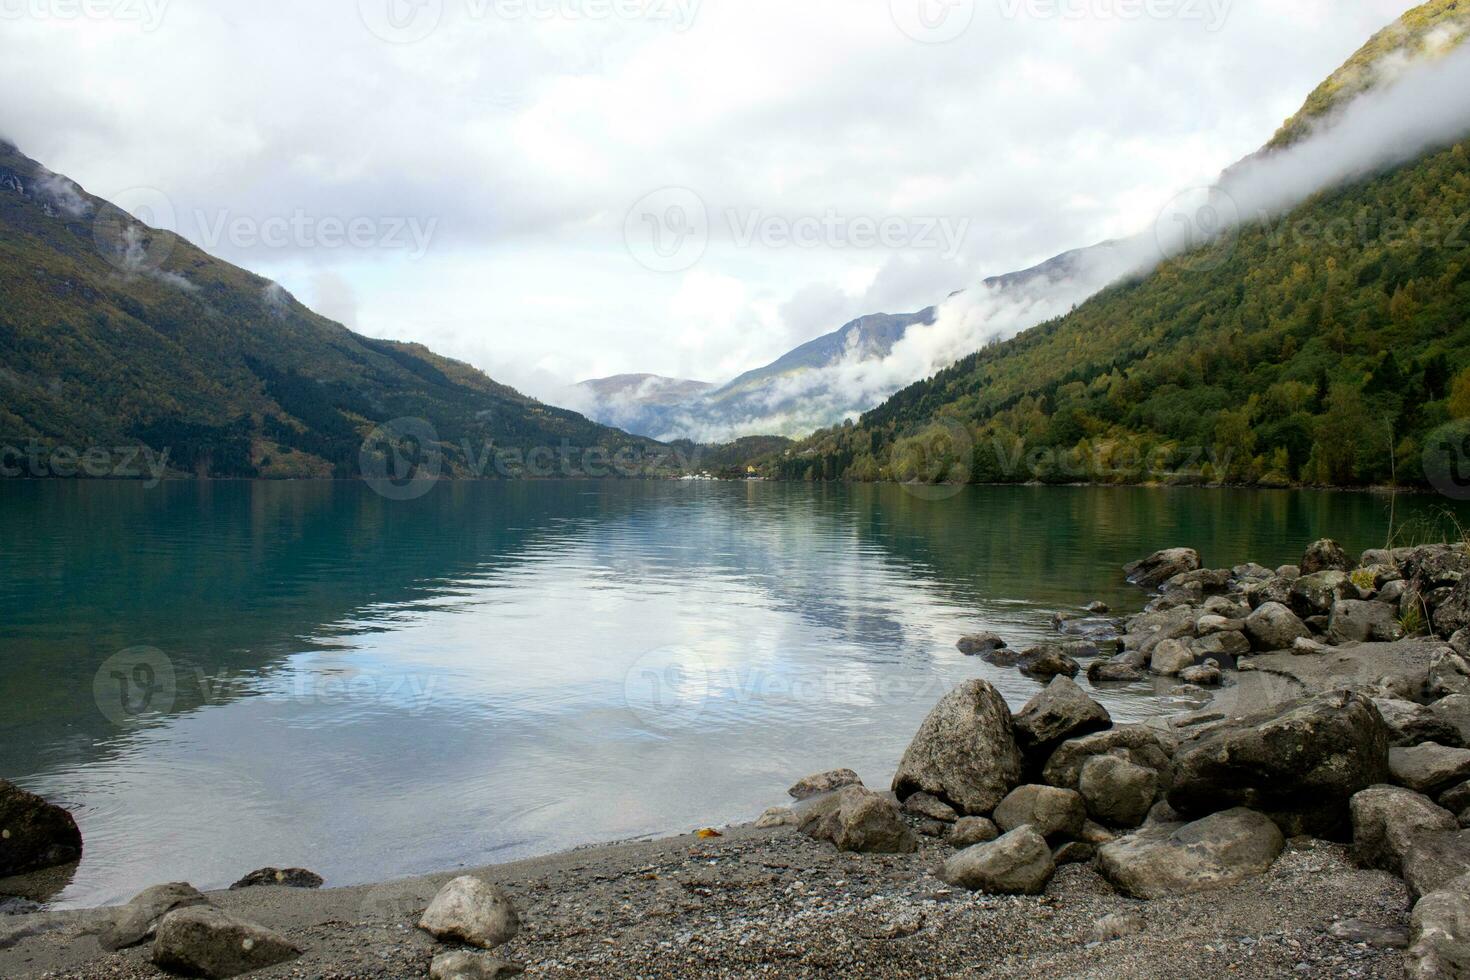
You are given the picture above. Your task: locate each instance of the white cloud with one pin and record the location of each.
(529, 139)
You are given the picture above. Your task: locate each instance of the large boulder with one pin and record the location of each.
(859, 820)
(1313, 595)
(202, 941)
(965, 753)
(1020, 863)
(1429, 768)
(1300, 762)
(1161, 566)
(1439, 934)
(34, 834)
(1386, 819)
(823, 783)
(1454, 711)
(1355, 621)
(1410, 723)
(977, 644)
(1174, 859)
(1277, 589)
(1170, 658)
(1453, 612)
(469, 910)
(1047, 661)
(1272, 626)
(1116, 791)
(1325, 556)
(1139, 744)
(1435, 858)
(136, 922)
(461, 964)
(1449, 674)
(1060, 712)
(1051, 811)
(1147, 630)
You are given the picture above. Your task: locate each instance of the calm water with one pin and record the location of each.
(223, 676)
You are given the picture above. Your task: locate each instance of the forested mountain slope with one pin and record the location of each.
(113, 334)
(1328, 346)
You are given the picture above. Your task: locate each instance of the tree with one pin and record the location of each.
(1460, 395)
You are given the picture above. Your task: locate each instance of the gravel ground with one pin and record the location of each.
(776, 904)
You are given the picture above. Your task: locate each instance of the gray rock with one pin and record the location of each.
(1429, 768)
(1354, 621)
(465, 965)
(202, 941)
(1460, 642)
(1393, 592)
(1140, 744)
(1313, 595)
(1386, 819)
(980, 643)
(1162, 813)
(280, 878)
(1170, 657)
(1119, 925)
(969, 831)
(924, 805)
(471, 911)
(1434, 859)
(1046, 662)
(1081, 649)
(1095, 833)
(34, 834)
(1224, 607)
(824, 782)
(1272, 626)
(933, 828)
(1449, 673)
(965, 753)
(1098, 608)
(1175, 859)
(1161, 566)
(859, 820)
(1410, 724)
(1146, 631)
(1207, 674)
(1210, 625)
(1439, 934)
(1250, 570)
(1277, 590)
(1020, 863)
(1289, 572)
(1379, 937)
(1455, 711)
(1453, 613)
(1325, 556)
(1051, 811)
(777, 816)
(1060, 712)
(135, 923)
(1456, 798)
(1113, 672)
(1073, 852)
(1304, 647)
(1116, 791)
(1299, 762)
(1221, 645)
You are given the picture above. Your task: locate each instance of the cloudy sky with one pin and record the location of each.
(556, 190)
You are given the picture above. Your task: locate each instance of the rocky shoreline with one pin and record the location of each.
(1308, 822)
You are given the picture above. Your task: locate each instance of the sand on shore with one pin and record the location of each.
(763, 903)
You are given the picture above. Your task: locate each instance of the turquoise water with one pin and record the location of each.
(220, 676)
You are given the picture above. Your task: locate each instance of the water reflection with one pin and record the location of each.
(373, 688)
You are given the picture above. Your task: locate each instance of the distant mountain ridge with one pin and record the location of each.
(113, 334)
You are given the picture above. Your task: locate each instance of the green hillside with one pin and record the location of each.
(1326, 347)
(111, 341)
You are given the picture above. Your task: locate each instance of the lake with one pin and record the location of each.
(223, 676)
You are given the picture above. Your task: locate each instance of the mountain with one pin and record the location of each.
(114, 335)
(1328, 345)
(646, 389)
